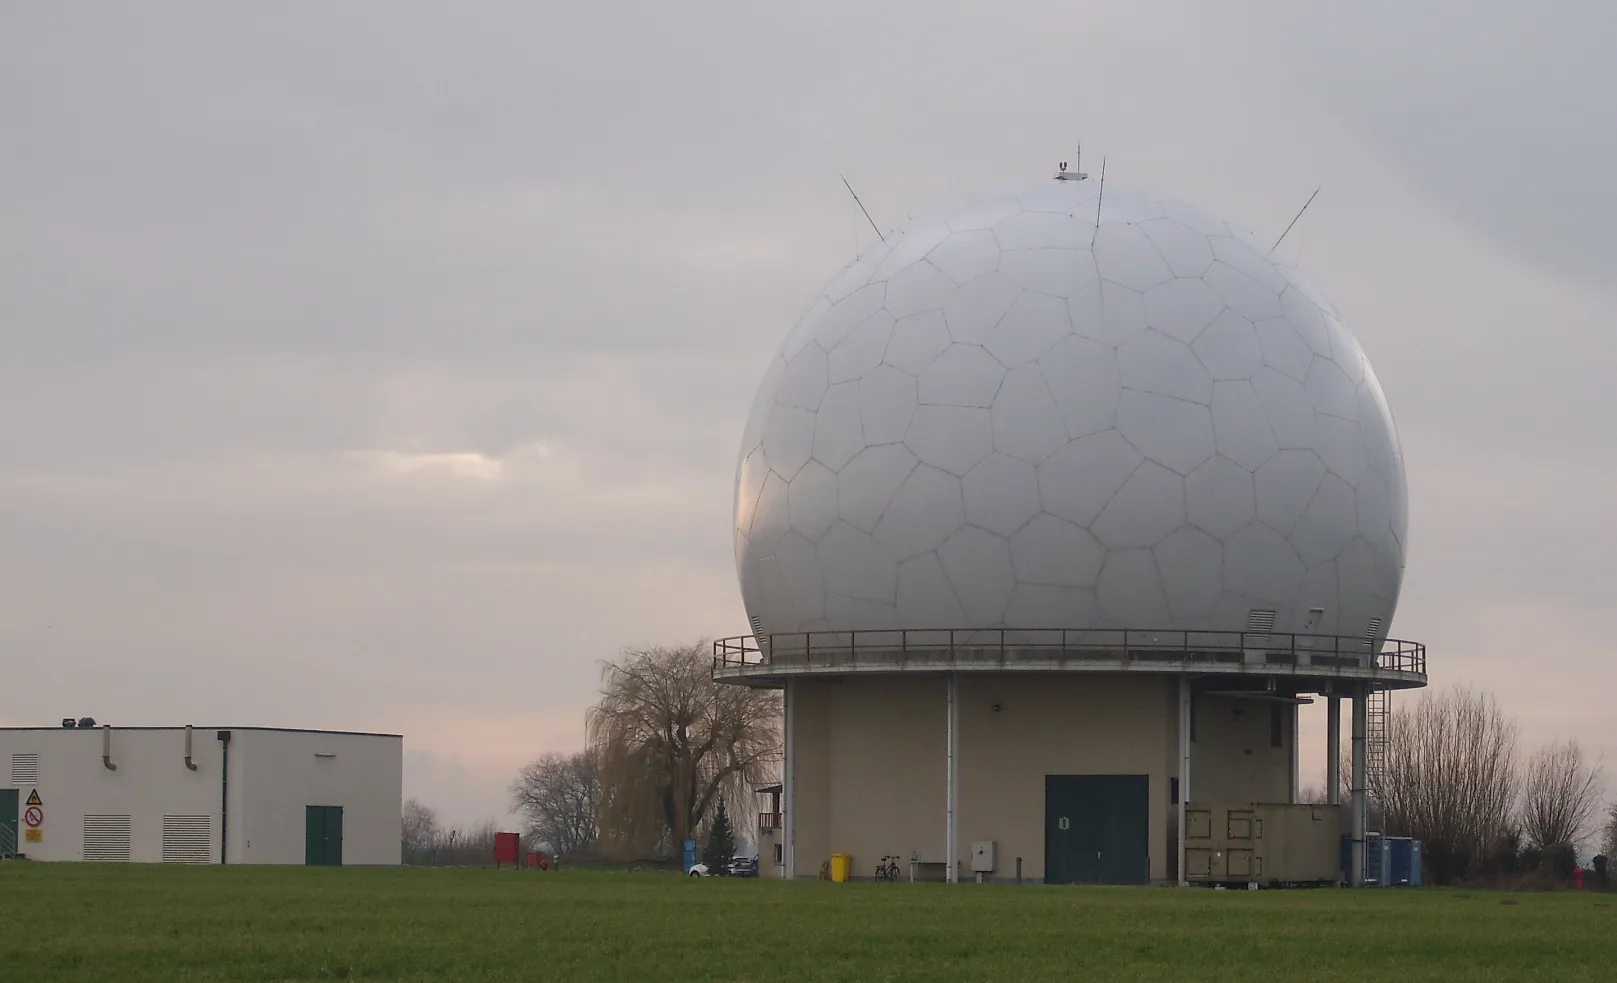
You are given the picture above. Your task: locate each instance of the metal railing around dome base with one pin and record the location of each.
(1076, 648)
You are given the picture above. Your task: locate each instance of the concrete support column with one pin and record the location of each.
(788, 786)
(1295, 713)
(1361, 708)
(1333, 750)
(1184, 771)
(952, 823)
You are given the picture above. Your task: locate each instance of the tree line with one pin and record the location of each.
(668, 751)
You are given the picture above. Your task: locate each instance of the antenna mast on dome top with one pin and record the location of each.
(1294, 219)
(861, 205)
(1077, 172)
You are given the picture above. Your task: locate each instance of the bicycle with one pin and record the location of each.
(887, 870)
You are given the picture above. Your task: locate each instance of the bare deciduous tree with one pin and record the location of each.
(1560, 796)
(1451, 779)
(418, 830)
(672, 743)
(559, 796)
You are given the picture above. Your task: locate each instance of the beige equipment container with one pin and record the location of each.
(1262, 843)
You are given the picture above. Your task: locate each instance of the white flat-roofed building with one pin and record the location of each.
(235, 795)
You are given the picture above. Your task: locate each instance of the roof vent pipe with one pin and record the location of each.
(192, 765)
(106, 747)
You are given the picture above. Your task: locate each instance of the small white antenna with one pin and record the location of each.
(861, 205)
(1294, 219)
(1098, 199)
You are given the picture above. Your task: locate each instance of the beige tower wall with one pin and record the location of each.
(870, 761)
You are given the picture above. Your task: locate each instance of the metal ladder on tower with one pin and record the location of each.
(1378, 708)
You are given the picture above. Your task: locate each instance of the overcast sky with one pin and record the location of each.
(382, 366)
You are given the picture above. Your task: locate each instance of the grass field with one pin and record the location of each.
(62, 922)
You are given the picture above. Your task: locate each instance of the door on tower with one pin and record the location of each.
(8, 822)
(322, 841)
(1096, 829)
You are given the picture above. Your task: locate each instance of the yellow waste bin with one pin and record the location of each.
(841, 866)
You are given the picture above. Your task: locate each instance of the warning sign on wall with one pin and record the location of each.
(34, 816)
(33, 798)
(33, 836)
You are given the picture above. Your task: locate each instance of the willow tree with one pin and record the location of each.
(672, 744)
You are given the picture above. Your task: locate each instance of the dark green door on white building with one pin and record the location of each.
(322, 841)
(1096, 829)
(8, 822)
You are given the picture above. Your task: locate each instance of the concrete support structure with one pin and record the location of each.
(1360, 717)
(788, 822)
(1333, 750)
(952, 781)
(1184, 774)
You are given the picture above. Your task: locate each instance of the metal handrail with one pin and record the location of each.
(1084, 644)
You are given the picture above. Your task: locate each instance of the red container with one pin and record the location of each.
(505, 848)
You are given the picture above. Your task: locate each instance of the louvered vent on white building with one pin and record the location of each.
(25, 769)
(1371, 632)
(1260, 622)
(106, 837)
(187, 839)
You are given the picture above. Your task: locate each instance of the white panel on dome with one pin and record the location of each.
(849, 313)
(858, 614)
(924, 595)
(887, 401)
(853, 564)
(1027, 422)
(1242, 293)
(1242, 429)
(1328, 524)
(1283, 348)
(867, 484)
(1172, 432)
(978, 564)
(806, 328)
(965, 256)
(1053, 551)
(856, 275)
(1031, 328)
(1242, 257)
(1191, 565)
(800, 570)
(982, 213)
(1345, 351)
(1186, 251)
(1194, 218)
(1340, 446)
(749, 484)
(861, 350)
(812, 501)
(1229, 348)
(954, 438)
(1046, 607)
(1152, 362)
(1076, 482)
(788, 439)
(1287, 407)
(1306, 319)
(767, 590)
(1330, 390)
(1319, 591)
(1259, 563)
(1125, 256)
(1129, 591)
(1042, 230)
(1306, 287)
(1149, 505)
(838, 432)
(1107, 312)
(1285, 485)
(1374, 500)
(1182, 308)
(1001, 494)
(918, 287)
(911, 246)
(1055, 272)
(965, 375)
(973, 310)
(1219, 497)
(926, 509)
(917, 341)
(1081, 375)
(771, 520)
(804, 382)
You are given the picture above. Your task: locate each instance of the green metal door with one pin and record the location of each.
(8, 821)
(322, 836)
(1096, 829)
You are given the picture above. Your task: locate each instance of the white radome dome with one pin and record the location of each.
(1001, 418)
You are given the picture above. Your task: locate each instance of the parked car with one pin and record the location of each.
(743, 867)
(699, 870)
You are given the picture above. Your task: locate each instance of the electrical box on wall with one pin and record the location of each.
(982, 857)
